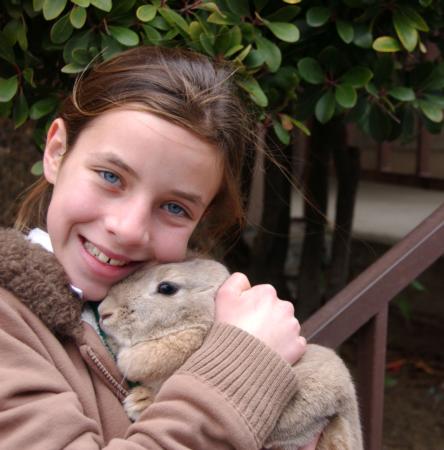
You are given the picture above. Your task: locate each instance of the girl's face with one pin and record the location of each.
(130, 191)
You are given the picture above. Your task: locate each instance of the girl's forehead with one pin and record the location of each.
(133, 123)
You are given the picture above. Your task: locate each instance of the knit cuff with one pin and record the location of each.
(254, 379)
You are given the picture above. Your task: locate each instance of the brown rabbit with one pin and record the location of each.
(160, 315)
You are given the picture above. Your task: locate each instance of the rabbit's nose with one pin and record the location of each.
(105, 315)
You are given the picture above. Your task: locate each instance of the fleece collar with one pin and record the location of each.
(34, 275)
(38, 236)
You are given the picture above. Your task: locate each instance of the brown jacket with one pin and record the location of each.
(60, 389)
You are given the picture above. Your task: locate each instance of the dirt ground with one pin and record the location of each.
(414, 396)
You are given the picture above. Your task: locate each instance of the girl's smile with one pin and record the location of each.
(130, 191)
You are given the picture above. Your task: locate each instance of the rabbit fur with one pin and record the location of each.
(159, 316)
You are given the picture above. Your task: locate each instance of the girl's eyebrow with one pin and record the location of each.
(114, 159)
(193, 198)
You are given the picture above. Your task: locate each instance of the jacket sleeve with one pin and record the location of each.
(228, 395)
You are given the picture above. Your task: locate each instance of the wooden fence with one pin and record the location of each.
(361, 309)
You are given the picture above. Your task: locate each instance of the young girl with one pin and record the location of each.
(143, 159)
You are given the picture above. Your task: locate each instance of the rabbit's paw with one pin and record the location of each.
(138, 399)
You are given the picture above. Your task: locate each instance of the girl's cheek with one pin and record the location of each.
(173, 246)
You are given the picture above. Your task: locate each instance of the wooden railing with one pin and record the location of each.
(361, 309)
(421, 177)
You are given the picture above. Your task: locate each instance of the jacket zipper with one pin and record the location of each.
(121, 392)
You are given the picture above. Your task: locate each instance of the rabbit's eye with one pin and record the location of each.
(167, 288)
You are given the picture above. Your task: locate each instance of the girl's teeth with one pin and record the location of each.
(94, 251)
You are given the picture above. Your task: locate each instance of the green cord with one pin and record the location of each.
(95, 307)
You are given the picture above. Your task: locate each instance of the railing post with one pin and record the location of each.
(371, 348)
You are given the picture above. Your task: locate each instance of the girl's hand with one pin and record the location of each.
(258, 311)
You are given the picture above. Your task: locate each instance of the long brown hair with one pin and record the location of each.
(180, 86)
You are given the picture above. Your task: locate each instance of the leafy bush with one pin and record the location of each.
(365, 60)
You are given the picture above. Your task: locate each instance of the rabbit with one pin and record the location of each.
(156, 318)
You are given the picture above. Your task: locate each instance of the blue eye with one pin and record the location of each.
(175, 209)
(109, 177)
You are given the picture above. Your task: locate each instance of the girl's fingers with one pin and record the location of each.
(234, 286)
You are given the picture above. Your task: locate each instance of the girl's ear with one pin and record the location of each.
(55, 148)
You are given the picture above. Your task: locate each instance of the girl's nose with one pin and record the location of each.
(130, 225)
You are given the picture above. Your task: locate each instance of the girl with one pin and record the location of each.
(143, 160)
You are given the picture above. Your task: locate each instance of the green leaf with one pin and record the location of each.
(301, 126)
(220, 19)
(357, 76)
(285, 14)
(152, 34)
(8, 88)
(42, 108)
(386, 44)
(345, 95)
(325, 107)
(207, 44)
(53, 8)
(28, 75)
(243, 54)
(173, 18)
(6, 51)
(81, 39)
(37, 169)
(233, 50)
(406, 33)
(61, 30)
(286, 32)
(437, 99)
(110, 46)
(310, 71)
(415, 20)
(239, 7)
(222, 42)
(145, 13)
(81, 56)
(271, 53)
(72, 68)
(10, 31)
(77, 17)
(435, 78)
(82, 3)
(282, 134)
(210, 6)
(432, 111)
(405, 94)
(235, 35)
(363, 37)
(254, 59)
(195, 29)
(404, 306)
(104, 5)
(22, 37)
(124, 35)
(318, 16)
(345, 31)
(20, 110)
(37, 5)
(255, 91)
(418, 286)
